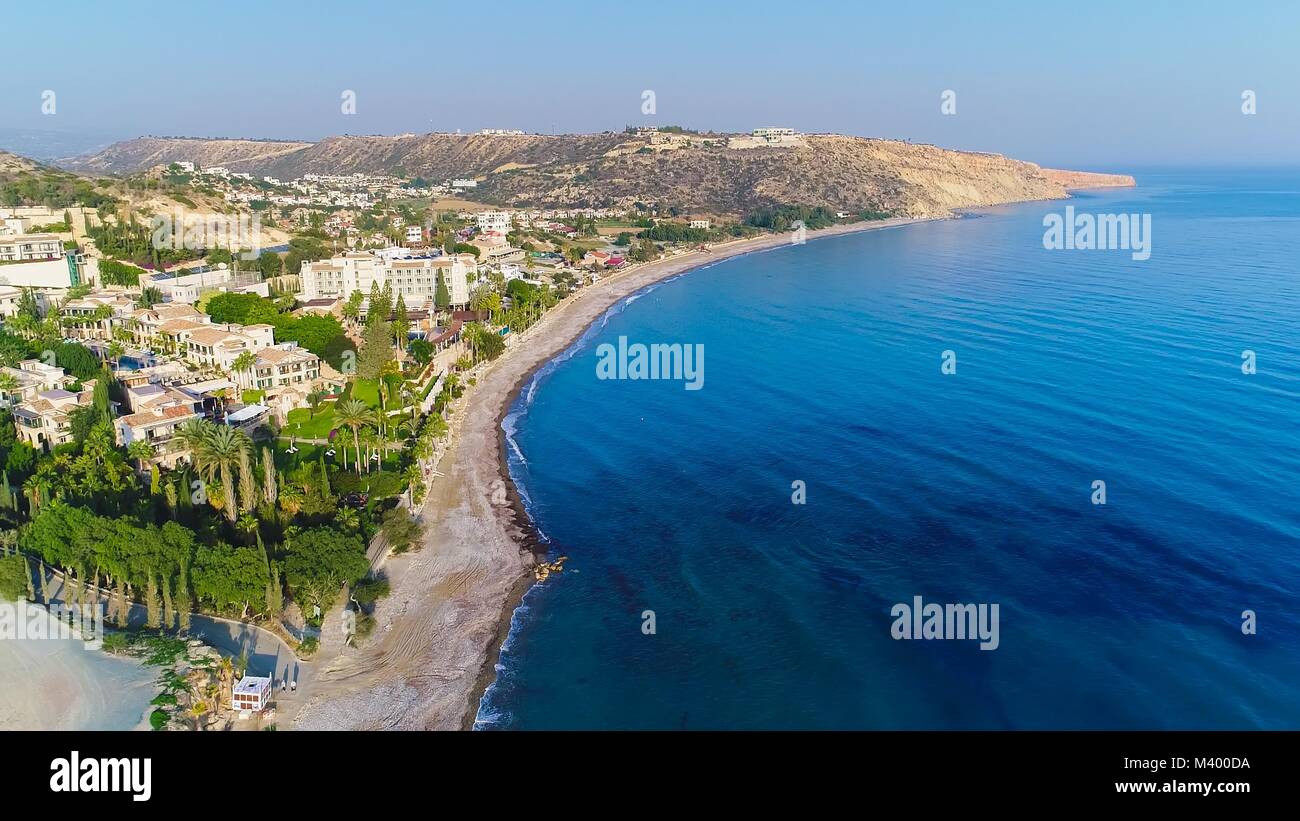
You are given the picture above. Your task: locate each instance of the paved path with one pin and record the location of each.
(268, 654)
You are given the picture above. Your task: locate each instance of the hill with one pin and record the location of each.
(693, 172)
(143, 153)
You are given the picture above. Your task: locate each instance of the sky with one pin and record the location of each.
(1099, 85)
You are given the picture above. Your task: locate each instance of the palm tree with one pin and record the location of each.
(220, 454)
(244, 362)
(8, 384)
(354, 414)
(191, 435)
(139, 450)
(114, 352)
(291, 499)
(348, 519)
(247, 525)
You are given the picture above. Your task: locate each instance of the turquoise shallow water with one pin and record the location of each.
(822, 364)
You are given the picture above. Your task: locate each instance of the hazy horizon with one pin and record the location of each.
(1107, 88)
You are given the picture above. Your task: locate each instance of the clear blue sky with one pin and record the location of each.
(1093, 85)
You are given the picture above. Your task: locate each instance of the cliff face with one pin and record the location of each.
(698, 173)
(844, 173)
(1088, 179)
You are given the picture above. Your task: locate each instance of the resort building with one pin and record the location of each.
(62, 272)
(162, 325)
(157, 413)
(248, 418)
(30, 247)
(279, 366)
(43, 422)
(220, 345)
(99, 312)
(416, 278)
(32, 377)
(498, 221)
(323, 306)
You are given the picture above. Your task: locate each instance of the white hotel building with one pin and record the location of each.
(498, 221)
(414, 277)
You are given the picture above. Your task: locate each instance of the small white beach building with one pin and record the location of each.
(252, 693)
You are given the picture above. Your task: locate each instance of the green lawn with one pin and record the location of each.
(367, 390)
(303, 424)
(312, 453)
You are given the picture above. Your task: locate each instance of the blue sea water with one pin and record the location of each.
(822, 364)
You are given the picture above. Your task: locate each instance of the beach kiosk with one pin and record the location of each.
(252, 694)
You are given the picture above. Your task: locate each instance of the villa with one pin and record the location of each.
(220, 345)
(33, 377)
(281, 365)
(43, 422)
(157, 424)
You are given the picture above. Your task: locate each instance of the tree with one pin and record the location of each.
(421, 351)
(190, 435)
(354, 414)
(115, 351)
(270, 483)
(149, 297)
(401, 531)
(319, 561)
(244, 362)
(8, 384)
(270, 264)
(352, 308)
(228, 577)
(14, 579)
(441, 296)
(100, 400)
(376, 350)
(401, 323)
(218, 455)
(140, 451)
(378, 309)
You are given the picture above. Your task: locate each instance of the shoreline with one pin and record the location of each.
(438, 634)
(651, 274)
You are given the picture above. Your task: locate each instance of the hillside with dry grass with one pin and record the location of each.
(690, 172)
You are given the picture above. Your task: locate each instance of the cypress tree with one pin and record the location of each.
(123, 607)
(274, 594)
(152, 605)
(270, 487)
(169, 609)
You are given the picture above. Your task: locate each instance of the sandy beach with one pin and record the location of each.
(439, 633)
(62, 684)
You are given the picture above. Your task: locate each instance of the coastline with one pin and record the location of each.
(439, 633)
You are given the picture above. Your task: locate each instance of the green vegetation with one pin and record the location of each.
(113, 272)
(322, 335)
(54, 189)
(781, 217)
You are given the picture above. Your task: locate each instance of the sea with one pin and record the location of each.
(1105, 447)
